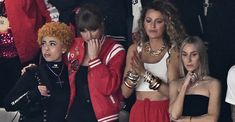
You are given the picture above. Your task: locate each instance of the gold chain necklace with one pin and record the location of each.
(149, 50)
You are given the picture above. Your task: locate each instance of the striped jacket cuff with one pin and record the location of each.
(110, 118)
(94, 62)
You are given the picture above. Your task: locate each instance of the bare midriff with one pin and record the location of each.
(151, 95)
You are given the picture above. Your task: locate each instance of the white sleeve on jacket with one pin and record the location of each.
(230, 96)
(54, 13)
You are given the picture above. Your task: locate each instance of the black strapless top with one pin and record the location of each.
(195, 105)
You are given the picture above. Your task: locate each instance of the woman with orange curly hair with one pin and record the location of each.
(42, 93)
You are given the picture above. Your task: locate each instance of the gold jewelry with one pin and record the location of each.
(130, 85)
(132, 76)
(132, 79)
(149, 50)
(154, 82)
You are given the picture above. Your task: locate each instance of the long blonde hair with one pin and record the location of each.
(203, 69)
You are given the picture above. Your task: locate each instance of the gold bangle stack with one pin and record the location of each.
(133, 78)
(154, 82)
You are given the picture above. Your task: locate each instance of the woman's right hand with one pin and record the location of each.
(190, 78)
(94, 48)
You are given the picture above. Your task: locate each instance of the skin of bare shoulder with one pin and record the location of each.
(174, 52)
(206, 86)
(214, 88)
(212, 82)
(210, 79)
(207, 80)
(132, 48)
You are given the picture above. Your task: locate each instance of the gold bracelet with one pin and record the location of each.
(132, 76)
(128, 85)
(130, 82)
(147, 76)
(158, 86)
(154, 82)
(159, 82)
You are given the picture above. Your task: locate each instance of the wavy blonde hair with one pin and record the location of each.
(174, 33)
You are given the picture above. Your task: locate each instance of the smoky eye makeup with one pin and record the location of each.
(159, 21)
(195, 53)
(148, 20)
(184, 54)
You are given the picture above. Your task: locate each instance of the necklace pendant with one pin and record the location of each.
(60, 82)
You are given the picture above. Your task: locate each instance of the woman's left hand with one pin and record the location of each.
(137, 64)
(94, 48)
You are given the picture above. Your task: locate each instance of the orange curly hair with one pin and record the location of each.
(58, 30)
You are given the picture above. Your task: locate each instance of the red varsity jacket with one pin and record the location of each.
(104, 77)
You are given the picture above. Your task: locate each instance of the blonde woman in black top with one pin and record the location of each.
(195, 97)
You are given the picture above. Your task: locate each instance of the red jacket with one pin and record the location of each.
(104, 77)
(25, 17)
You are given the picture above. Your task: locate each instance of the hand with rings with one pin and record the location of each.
(194, 77)
(190, 78)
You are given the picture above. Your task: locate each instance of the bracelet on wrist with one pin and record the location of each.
(129, 85)
(154, 82)
(132, 76)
